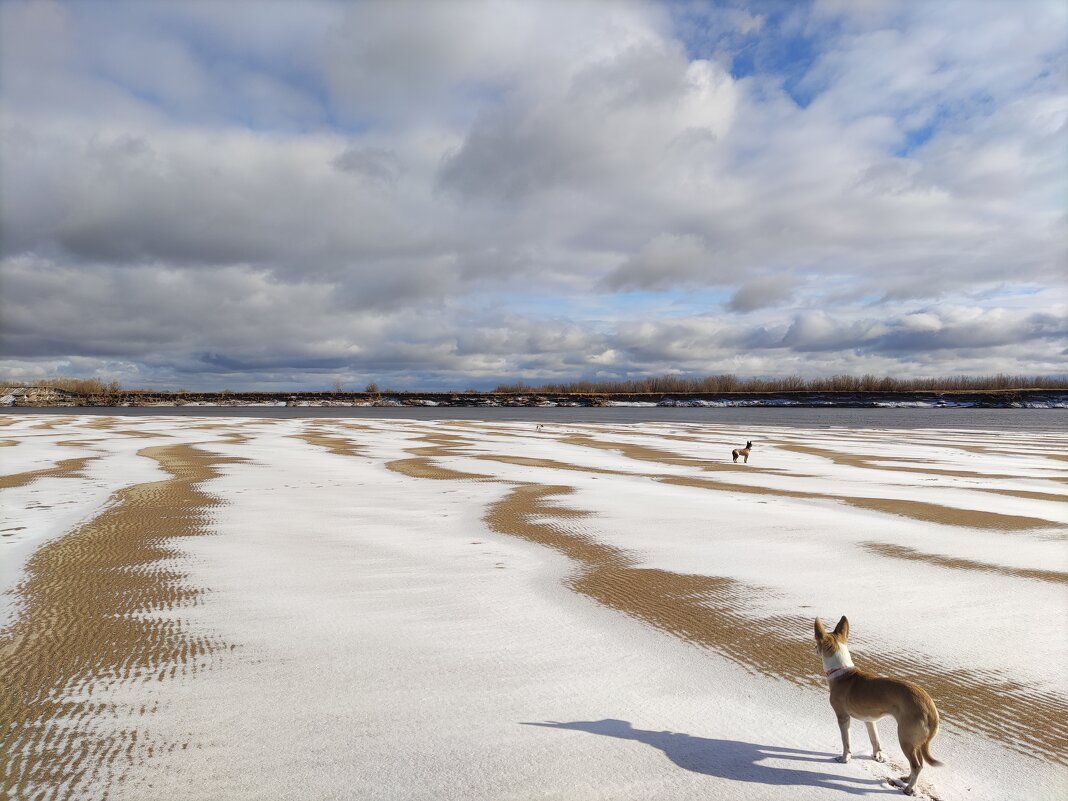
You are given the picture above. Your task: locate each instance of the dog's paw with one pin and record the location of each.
(843, 758)
(878, 756)
(903, 785)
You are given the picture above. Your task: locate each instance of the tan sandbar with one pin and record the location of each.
(65, 468)
(917, 510)
(955, 563)
(90, 619)
(713, 611)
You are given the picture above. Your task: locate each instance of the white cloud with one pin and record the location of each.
(376, 186)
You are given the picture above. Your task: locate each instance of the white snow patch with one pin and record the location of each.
(389, 645)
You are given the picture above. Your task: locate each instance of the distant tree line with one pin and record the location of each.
(81, 386)
(669, 384)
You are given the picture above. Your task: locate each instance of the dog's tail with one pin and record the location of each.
(925, 749)
(930, 760)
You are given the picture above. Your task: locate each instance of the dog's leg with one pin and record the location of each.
(876, 748)
(843, 725)
(916, 763)
(747, 458)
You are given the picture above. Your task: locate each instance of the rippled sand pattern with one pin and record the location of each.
(550, 464)
(93, 600)
(871, 462)
(703, 609)
(950, 515)
(422, 465)
(48, 425)
(1029, 494)
(65, 468)
(101, 423)
(342, 446)
(234, 438)
(645, 453)
(713, 611)
(955, 563)
(90, 623)
(917, 510)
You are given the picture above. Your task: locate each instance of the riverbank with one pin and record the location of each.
(49, 397)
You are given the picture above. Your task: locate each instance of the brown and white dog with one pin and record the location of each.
(742, 452)
(858, 694)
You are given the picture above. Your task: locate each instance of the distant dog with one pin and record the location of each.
(743, 452)
(861, 695)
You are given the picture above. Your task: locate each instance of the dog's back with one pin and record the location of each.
(865, 696)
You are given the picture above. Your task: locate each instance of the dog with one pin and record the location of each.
(858, 694)
(743, 452)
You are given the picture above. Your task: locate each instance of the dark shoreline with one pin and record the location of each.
(749, 420)
(33, 397)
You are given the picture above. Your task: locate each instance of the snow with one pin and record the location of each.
(389, 644)
(39, 511)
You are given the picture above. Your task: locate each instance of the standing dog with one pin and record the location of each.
(858, 694)
(744, 452)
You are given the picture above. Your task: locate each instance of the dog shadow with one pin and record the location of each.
(729, 759)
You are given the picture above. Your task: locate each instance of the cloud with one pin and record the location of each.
(374, 163)
(953, 328)
(761, 293)
(463, 192)
(595, 130)
(666, 260)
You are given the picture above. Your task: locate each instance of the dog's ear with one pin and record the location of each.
(842, 628)
(820, 631)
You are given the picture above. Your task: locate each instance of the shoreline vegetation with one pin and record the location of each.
(868, 391)
(728, 383)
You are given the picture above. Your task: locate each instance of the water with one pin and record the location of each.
(967, 419)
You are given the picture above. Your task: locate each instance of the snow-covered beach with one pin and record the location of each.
(337, 608)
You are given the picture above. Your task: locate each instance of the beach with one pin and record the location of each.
(336, 607)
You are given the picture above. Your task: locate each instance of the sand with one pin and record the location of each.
(400, 609)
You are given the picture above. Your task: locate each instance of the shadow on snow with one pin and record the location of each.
(729, 759)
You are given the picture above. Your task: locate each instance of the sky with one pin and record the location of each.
(259, 194)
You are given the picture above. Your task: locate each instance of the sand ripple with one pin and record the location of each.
(91, 621)
(65, 468)
(714, 611)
